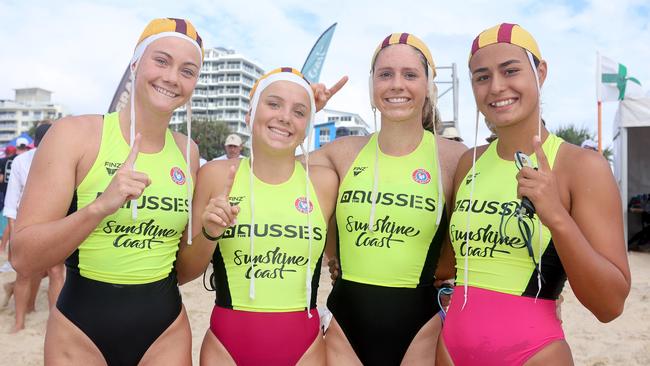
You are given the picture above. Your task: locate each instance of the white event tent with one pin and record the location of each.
(632, 155)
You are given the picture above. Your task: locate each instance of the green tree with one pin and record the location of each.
(210, 134)
(577, 135)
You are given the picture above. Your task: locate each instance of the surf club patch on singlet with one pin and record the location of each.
(281, 245)
(121, 250)
(498, 257)
(403, 249)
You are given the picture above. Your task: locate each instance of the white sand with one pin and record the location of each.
(625, 341)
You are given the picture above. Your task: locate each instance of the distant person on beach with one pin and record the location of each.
(5, 173)
(451, 133)
(112, 194)
(233, 146)
(589, 144)
(25, 288)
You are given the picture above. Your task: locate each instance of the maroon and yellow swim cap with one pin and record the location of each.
(164, 27)
(506, 33)
(409, 39)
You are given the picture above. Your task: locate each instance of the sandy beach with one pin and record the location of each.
(625, 341)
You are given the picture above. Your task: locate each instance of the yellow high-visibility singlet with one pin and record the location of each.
(498, 258)
(404, 248)
(121, 250)
(281, 245)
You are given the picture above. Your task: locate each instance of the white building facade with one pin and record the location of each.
(30, 105)
(331, 124)
(222, 92)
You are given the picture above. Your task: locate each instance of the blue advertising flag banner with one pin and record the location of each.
(314, 63)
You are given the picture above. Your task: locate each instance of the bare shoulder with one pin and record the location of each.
(322, 176)
(326, 184)
(465, 160)
(453, 149)
(181, 141)
(350, 143)
(218, 168)
(577, 165)
(450, 152)
(77, 125)
(339, 154)
(85, 130)
(341, 147)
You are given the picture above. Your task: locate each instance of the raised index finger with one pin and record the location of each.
(133, 154)
(542, 161)
(336, 87)
(230, 179)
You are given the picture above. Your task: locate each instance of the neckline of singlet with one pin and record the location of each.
(492, 150)
(124, 144)
(393, 157)
(257, 180)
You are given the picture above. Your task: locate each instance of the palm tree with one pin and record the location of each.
(577, 135)
(210, 134)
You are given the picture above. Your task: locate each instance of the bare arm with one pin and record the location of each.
(450, 155)
(447, 263)
(212, 211)
(330, 240)
(589, 236)
(44, 236)
(326, 184)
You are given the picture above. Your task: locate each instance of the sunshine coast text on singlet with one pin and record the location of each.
(497, 253)
(121, 250)
(281, 245)
(401, 250)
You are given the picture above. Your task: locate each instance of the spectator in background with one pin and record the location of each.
(5, 170)
(26, 287)
(22, 145)
(233, 147)
(589, 144)
(451, 133)
(493, 136)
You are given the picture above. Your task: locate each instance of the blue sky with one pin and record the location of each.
(79, 49)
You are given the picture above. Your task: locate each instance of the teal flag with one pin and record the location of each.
(314, 63)
(615, 83)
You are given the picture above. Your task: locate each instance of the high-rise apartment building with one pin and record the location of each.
(29, 105)
(223, 88)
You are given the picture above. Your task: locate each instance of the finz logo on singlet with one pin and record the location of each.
(236, 200)
(358, 170)
(177, 175)
(111, 167)
(421, 176)
(302, 206)
(471, 177)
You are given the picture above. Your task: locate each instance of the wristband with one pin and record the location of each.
(208, 236)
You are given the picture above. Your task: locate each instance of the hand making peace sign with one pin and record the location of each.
(322, 94)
